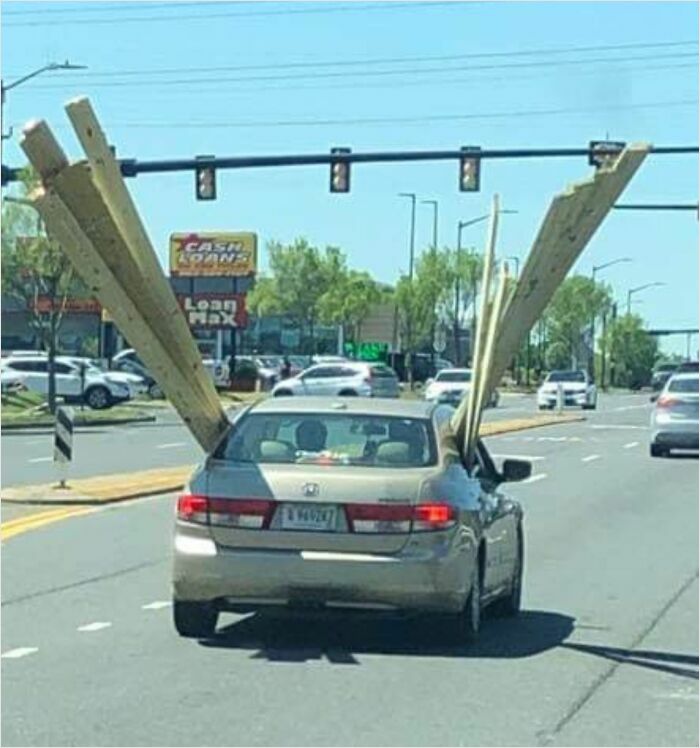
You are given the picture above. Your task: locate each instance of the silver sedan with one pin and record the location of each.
(350, 503)
(674, 420)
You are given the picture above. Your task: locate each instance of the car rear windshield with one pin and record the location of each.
(330, 439)
(566, 376)
(453, 376)
(689, 384)
(383, 371)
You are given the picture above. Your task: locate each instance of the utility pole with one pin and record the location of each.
(434, 203)
(640, 288)
(596, 268)
(412, 235)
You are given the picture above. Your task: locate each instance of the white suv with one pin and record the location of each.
(345, 379)
(97, 391)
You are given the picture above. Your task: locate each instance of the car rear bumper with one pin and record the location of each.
(435, 578)
(680, 438)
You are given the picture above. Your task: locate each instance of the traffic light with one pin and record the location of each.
(205, 180)
(340, 172)
(603, 152)
(470, 169)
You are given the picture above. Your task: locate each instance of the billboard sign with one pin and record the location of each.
(213, 254)
(214, 311)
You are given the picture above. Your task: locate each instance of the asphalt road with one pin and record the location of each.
(27, 456)
(605, 653)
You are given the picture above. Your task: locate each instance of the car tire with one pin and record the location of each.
(347, 393)
(510, 605)
(194, 620)
(655, 450)
(465, 625)
(155, 392)
(98, 398)
(282, 393)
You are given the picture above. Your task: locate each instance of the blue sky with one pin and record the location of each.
(495, 67)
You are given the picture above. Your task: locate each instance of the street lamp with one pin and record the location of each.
(434, 203)
(637, 289)
(412, 240)
(5, 88)
(591, 362)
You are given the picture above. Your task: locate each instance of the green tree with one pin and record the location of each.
(37, 273)
(568, 318)
(349, 300)
(300, 276)
(633, 352)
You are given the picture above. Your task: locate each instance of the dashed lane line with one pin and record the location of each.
(40, 459)
(590, 458)
(172, 445)
(630, 445)
(529, 458)
(96, 626)
(535, 478)
(15, 654)
(157, 605)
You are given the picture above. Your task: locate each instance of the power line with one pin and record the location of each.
(398, 120)
(369, 73)
(105, 8)
(238, 14)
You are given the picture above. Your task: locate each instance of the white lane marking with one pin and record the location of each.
(41, 459)
(157, 605)
(617, 426)
(34, 442)
(590, 458)
(682, 695)
(630, 445)
(535, 478)
(96, 626)
(172, 445)
(552, 438)
(631, 407)
(13, 654)
(529, 458)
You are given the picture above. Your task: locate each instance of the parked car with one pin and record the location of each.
(347, 503)
(674, 419)
(661, 375)
(345, 379)
(578, 389)
(252, 369)
(686, 367)
(11, 381)
(96, 390)
(450, 385)
(135, 382)
(218, 370)
(130, 366)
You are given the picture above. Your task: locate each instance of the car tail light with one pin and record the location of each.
(665, 401)
(433, 515)
(193, 508)
(389, 518)
(252, 514)
(382, 518)
(246, 513)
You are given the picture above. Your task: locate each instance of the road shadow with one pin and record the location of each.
(690, 455)
(665, 662)
(289, 637)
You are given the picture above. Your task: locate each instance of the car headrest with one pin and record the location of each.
(393, 453)
(271, 450)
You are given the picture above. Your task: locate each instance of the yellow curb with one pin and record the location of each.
(34, 521)
(492, 428)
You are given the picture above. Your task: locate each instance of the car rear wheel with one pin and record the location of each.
(283, 393)
(347, 393)
(194, 620)
(510, 605)
(98, 398)
(465, 625)
(657, 451)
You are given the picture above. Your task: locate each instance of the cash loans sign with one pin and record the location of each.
(214, 311)
(213, 254)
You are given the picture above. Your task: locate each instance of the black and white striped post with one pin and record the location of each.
(63, 441)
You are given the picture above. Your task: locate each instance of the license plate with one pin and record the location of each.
(313, 517)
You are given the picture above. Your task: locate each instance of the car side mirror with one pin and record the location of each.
(515, 470)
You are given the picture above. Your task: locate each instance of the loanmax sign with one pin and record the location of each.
(214, 311)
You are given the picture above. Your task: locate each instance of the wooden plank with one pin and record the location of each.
(108, 180)
(43, 150)
(64, 228)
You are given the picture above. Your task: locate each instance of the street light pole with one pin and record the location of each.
(596, 268)
(412, 239)
(434, 203)
(5, 88)
(637, 289)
